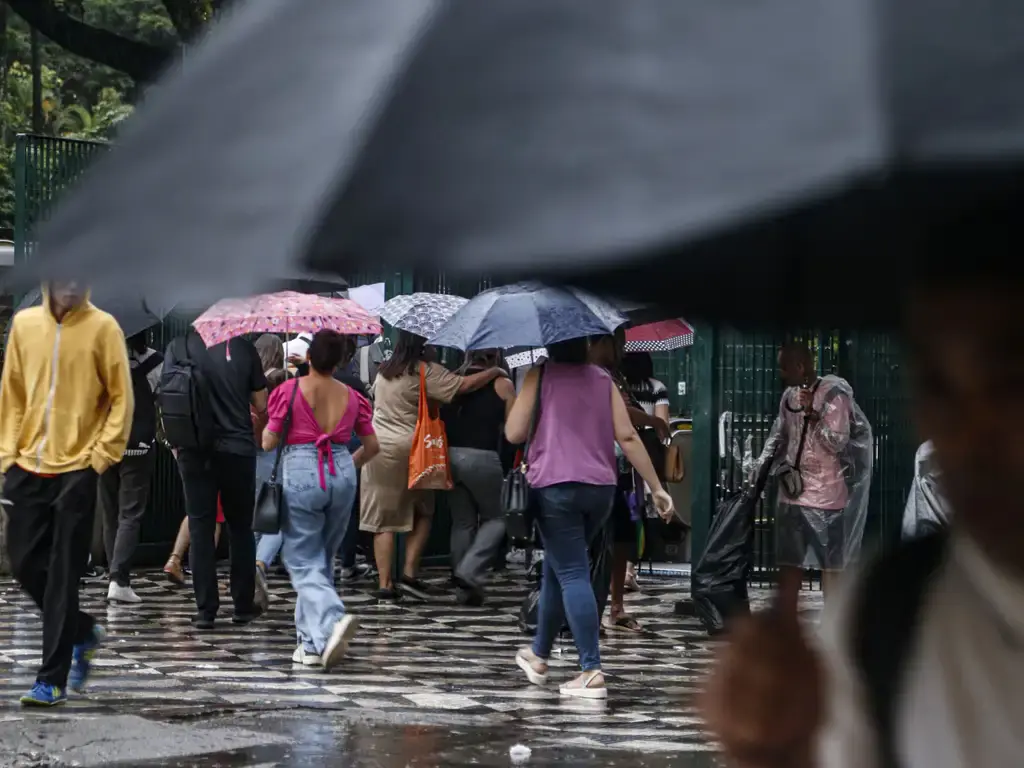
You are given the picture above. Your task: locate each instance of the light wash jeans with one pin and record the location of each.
(267, 545)
(312, 528)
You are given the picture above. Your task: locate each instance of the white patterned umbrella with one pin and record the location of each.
(421, 313)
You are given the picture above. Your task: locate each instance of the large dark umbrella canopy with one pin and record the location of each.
(765, 161)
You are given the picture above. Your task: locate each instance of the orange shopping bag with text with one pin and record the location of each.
(428, 459)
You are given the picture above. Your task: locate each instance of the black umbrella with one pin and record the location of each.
(767, 161)
(133, 315)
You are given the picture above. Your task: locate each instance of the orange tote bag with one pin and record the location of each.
(428, 459)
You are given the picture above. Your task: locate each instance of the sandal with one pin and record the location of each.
(624, 622)
(589, 685)
(173, 570)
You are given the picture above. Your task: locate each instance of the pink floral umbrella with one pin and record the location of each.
(285, 312)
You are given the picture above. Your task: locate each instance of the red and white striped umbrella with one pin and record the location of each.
(663, 336)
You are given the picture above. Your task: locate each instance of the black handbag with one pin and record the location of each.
(515, 490)
(266, 514)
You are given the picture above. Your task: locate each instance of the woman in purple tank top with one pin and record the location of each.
(572, 471)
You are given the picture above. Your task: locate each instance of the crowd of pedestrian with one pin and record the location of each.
(241, 415)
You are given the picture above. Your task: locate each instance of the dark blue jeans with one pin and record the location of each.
(569, 516)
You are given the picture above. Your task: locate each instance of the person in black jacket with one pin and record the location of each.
(124, 488)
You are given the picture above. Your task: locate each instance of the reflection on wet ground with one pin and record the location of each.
(323, 739)
(432, 664)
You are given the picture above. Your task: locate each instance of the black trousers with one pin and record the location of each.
(204, 475)
(123, 495)
(49, 530)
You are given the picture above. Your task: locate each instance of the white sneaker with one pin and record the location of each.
(118, 594)
(305, 658)
(337, 645)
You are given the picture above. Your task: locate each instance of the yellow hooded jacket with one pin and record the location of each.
(66, 394)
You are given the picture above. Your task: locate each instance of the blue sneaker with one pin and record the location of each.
(81, 659)
(44, 695)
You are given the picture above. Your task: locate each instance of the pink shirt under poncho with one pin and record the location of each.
(358, 418)
(820, 466)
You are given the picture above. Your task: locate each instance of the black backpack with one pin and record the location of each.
(886, 619)
(186, 412)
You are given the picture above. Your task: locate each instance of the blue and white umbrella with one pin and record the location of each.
(527, 315)
(421, 313)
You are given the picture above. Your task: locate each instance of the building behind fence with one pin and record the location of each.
(727, 382)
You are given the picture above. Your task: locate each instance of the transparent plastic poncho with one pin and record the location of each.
(928, 509)
(835, 464)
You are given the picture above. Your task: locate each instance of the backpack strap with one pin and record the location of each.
(886, 618)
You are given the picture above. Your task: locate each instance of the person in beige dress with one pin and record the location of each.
(387, 506)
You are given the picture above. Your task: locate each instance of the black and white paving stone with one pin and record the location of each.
(421, 662)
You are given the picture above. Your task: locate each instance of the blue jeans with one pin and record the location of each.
(569, 516)
(314, 524)
(267, 545)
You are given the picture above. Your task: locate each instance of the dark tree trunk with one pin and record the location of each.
(138, 60)
(37, 84)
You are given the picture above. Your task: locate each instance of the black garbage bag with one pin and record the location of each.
(719, 580)
(600, 580)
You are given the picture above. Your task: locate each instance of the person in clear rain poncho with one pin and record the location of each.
(821, 449)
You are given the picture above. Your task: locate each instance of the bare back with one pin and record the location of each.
(328, 399)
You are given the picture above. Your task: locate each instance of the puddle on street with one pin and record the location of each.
(325, 738)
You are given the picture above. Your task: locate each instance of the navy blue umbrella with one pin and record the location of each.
(527, 314)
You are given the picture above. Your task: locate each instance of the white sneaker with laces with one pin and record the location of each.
(337, 644)
(118, 594)
(306, 658)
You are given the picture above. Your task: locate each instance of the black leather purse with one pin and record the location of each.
(266, 514)
(516, 501)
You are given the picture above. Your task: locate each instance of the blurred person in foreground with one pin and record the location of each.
(919, 662)
(65, 414)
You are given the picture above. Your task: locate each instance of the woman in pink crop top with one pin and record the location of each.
(319, 480)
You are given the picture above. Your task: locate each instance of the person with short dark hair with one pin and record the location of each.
(319, 477)
(57, 434)
(233, 373)
(124, 488)
(474, 423)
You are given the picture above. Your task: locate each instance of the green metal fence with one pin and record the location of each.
(737, 398)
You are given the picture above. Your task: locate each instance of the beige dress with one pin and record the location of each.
(385, 501)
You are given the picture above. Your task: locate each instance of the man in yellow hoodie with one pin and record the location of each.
(65, 414)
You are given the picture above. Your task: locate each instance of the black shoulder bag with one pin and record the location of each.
(266, 515)
(515, 490)
(789, 474)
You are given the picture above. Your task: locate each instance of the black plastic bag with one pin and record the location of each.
(719, 580)
(600, 580)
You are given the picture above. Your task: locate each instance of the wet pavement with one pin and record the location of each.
(426, 683)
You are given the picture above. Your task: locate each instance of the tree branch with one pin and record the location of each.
(140, 61)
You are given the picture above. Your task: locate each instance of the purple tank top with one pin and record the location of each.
(575, 437)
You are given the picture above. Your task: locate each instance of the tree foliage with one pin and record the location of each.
(96, 55)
